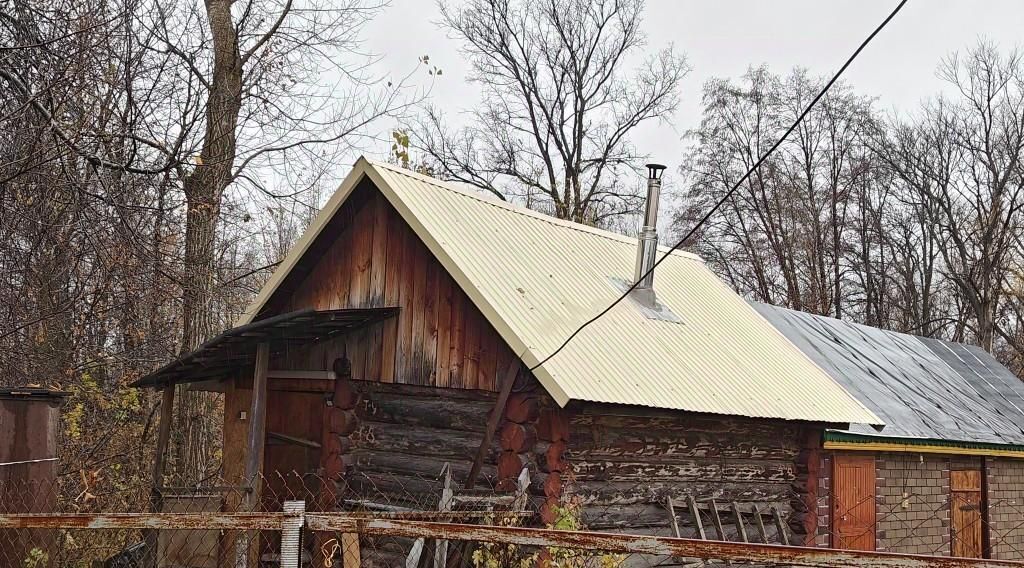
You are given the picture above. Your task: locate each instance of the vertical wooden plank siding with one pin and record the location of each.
(361, 253)
(361, 231)
(444, 319)
(457, 329)
(378, 253)
(393, 265)
(237, 404)
(965, 512)
(350, 550)
(429, 331)
(417, 336)
(471, 349)
(378, 270)
(406, 283)
(853, 501)
(438, 339)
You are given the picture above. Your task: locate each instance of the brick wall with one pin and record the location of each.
(1006, 508)
(823, 538)
(912, 503)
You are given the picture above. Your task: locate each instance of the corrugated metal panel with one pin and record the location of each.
(922, 388)
(536, 279)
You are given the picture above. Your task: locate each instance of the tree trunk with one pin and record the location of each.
(204, 188)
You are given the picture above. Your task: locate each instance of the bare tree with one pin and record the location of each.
(206, 111)
(962, 157)
(910, 223)
(783, 237)
(558, 106)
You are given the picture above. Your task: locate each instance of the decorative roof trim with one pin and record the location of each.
(860, 443)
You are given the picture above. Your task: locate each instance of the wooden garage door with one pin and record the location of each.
(965, 500)
(853, 501)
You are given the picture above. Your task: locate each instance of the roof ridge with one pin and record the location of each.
(518, 209)
(862, 325)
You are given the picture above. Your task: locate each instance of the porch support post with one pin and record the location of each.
(247, 549)
(156, 500)
(162, 439)
(257, 427)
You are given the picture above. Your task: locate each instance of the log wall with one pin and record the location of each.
(625, 465)
(369, 257)
(405, 434)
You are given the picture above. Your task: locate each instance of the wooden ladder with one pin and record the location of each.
(715, 511)
(450, 500)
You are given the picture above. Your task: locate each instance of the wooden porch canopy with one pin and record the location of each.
(236, 348)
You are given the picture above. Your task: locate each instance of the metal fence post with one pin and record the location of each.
(291, 534)
(350, 553)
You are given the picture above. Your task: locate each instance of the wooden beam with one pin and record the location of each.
(149, 521)
(760, 554)
(692, 504)
(156, 498)
(163, 436)
(760, 526)
(492, 421)
(213, 385)
(781, 526)
(672, 515)
(294, 440)
(246, 548)
(295, 374)
(257, 426)
(739, 521)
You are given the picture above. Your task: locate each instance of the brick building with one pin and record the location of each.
(946, 474)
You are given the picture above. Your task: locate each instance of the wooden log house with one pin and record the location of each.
(410, 327)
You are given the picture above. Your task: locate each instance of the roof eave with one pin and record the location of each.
(298, 250)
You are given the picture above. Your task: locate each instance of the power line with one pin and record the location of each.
(732, 190)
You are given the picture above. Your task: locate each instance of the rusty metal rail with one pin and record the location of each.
(351, 525)
(214, 521)
(636, 544)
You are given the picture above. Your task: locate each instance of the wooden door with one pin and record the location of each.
(853, 501)
(965, 505)
(292, 451)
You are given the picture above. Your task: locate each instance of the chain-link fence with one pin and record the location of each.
(928, 523)
(124, 540)
(293, 538)
(429, 520)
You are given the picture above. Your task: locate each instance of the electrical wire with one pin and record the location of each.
(732, 190)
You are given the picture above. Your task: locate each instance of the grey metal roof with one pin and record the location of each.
(920, 387)
(236, 347)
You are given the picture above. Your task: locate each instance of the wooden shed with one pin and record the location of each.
(410, 329)
(29, 446)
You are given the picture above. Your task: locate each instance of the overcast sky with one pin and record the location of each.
(721, 38)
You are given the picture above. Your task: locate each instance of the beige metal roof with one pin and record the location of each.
(536, 279)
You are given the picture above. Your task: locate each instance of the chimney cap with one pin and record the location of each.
(654, 170)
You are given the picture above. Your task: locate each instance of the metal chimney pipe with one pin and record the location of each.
(647, 240)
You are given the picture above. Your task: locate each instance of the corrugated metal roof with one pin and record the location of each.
(236, 347)
(921, 387)
(536, 279)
